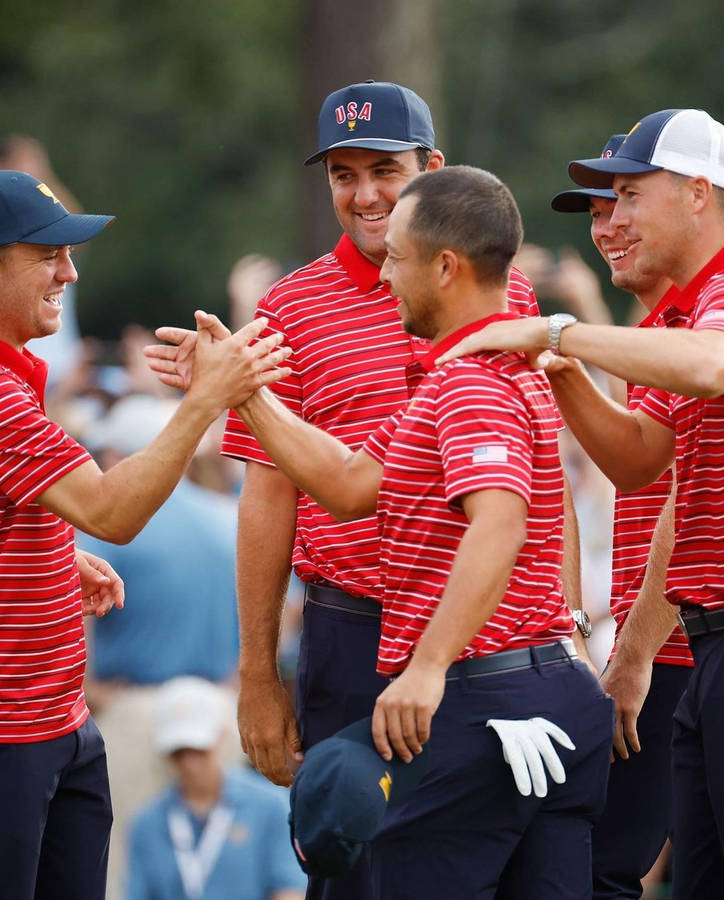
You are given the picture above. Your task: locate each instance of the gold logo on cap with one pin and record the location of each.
(44, 189)
(386, 783)
(352, 124)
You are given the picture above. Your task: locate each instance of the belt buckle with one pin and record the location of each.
(682, 623)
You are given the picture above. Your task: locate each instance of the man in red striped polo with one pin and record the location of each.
(638, 816)
(669, 179)
(53, 781)
(468, 490)
(353, 365)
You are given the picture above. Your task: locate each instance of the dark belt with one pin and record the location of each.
(324, 595)
(511, 660)
(696, 620)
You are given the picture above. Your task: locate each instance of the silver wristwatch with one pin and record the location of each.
(556, 323)
(583, 622)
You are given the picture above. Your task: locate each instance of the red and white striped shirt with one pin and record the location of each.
(42, 648)
(636, 514)
(696, 569)
(477, 423)
(353, 365)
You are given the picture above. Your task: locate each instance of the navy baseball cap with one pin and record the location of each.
(30, 213)
(577, 199)
(373, 115)
(684, 141)
(340, 795)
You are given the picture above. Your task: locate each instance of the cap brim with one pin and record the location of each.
(599, 173)
(364, 144)
(71, 229)
(578, 200)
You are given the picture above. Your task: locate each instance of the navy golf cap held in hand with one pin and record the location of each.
(340, 795)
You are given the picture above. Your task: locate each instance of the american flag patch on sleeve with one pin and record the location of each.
(491, 453)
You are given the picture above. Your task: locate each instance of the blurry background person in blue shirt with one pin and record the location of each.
(215, 833)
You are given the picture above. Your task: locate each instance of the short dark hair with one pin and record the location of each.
(423, 157)
(468, 210)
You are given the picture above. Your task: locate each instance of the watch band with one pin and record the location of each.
(556, 323)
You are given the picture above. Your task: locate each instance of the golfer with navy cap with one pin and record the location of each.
(53, 781)
(668, 176)
(638, 815)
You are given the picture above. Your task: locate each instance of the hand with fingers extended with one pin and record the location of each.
(627, 683)
(403, 713)
(268, 730)
(173, 362)
(529, 335)
(528, 750)
(228, 368)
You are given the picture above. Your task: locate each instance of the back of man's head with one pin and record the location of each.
(468, 210)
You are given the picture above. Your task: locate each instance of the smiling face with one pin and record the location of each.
(32, 281)
(409, 276)
(365, 186)
(613, 245)
(653, 212)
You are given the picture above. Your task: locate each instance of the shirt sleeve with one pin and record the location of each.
(484, 433)
(656, 403)
(34, 452)
(709, 312)
(238, 442)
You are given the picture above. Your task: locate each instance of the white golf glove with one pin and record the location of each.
(527, 746)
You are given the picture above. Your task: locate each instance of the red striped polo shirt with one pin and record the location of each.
(636, 514)
(696, 569)
(481, 422)
(42, 648)
(353, 365)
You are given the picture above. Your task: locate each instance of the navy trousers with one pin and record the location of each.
(638, 815)
(56, 818)
(466, 832)
(698, 768)
(336, 685)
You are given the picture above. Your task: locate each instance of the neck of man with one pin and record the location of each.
(651, 299)
(470, 305)
(707, 242)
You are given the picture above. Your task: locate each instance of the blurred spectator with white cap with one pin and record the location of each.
(180, 616)
(215, 833)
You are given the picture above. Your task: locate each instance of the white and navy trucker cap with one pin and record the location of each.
(684, 141)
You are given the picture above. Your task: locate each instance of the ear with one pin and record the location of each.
(436, 161)
(701, 192)
(448, 267)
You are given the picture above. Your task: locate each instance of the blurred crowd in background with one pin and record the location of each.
(180, 614)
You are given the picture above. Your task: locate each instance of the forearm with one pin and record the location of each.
(652, 618)
(316, 462)
(265, 537)
(611, 435)
(115, 505)
(678, 360)
(571, 569)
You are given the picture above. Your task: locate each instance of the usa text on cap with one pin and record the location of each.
(685, 141)
(340, 795)
(30, 213)
(373, 115)
(578, 199)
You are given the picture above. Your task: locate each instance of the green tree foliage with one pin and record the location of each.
(179, 117)
(530, 85)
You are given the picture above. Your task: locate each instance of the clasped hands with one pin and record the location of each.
(173, 362)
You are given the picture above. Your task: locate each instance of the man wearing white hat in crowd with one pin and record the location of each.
(216, 833)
